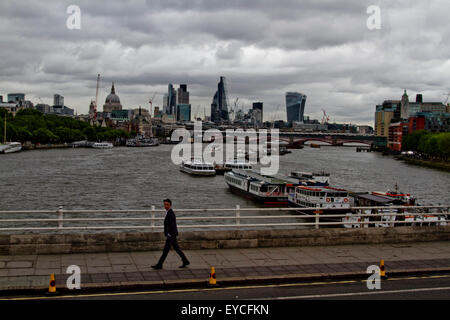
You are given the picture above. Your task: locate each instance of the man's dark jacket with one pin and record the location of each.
(170, 224)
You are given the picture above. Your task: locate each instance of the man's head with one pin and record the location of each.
(167, 204)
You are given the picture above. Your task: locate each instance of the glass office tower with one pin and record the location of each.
(295, 106)
(219, 106)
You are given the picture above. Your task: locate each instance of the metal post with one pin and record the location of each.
(238, 215)
(363, 219)
(392, 224)
(60, 217)
(153, 218)
(317, 218)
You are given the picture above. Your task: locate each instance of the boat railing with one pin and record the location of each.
(219, 218)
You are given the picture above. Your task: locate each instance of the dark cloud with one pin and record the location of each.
(263, 47)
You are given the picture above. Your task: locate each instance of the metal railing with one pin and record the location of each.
(357, 217)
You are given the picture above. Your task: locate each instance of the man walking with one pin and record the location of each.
(171, 233)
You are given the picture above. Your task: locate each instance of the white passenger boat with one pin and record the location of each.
(326, 199)
(231, 165)
(312, 178)
(270, 190)
(102, 145)
(10, 147)
(142, 142)
(385, 218)
(198, 168)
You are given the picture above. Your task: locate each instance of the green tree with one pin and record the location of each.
(44, 136)
(76, 135)
(23, 135)
(90, 133)
(412, 140)
(444, 145)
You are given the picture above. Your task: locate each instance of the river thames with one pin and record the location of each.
(137, 178)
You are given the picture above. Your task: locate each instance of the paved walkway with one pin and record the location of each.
(118, 270)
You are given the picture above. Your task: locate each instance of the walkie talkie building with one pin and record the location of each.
(295, 106)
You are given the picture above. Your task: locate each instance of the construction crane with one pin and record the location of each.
(325, 118)
(96, 97)
(278, 113)
(151, 103)
(231, 112)
(448, 96)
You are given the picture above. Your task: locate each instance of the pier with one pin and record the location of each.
(364, 149)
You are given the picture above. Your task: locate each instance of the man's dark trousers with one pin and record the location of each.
(171, 233)
(171, 242)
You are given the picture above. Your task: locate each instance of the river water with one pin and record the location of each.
(137, 178)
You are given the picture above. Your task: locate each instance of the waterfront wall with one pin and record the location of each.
(149, 241)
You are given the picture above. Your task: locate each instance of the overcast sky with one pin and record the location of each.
(264, 48)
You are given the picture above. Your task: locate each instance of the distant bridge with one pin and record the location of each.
(333, 138)
(294, 139)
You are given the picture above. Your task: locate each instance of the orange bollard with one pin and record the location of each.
(382, 270)
(52, 285)
(212, 277)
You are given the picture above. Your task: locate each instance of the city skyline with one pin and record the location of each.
(329, 54)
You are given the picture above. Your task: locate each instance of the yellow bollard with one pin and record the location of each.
(382, 270)
(212, 277)
(52, 285)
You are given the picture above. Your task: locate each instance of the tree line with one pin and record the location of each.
(34, 126)
(430, 145)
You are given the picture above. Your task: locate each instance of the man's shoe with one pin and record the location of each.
(185, 264)
(157, 267)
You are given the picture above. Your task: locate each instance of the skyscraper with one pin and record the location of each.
(58, 100)
(182, 94)
(16, 97)
(166, 104)
(172, 100)
(183, 112)
(258, 112)
(219, 105)
(295, 106)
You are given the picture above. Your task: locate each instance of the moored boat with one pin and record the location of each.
(312, 178)
(231, 165)
(270, 190)
(198, 168)
(401, 198)
(328, 200)
(142, 142)
(10, 147)
(102, 145)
